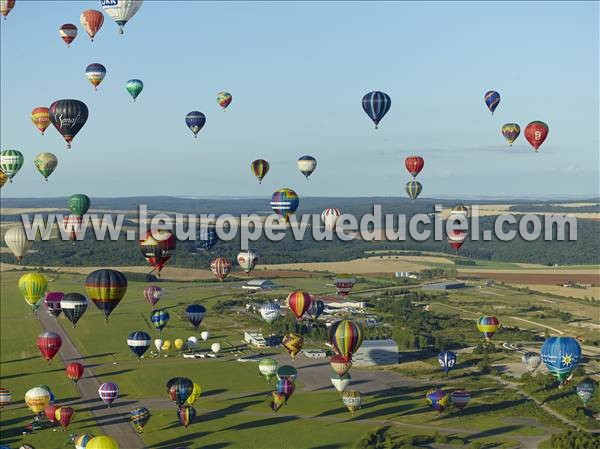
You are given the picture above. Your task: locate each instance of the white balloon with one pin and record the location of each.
(158, 343)
(16, 240)
(270, 311)
(121, 11)
(215, 347)
(192, 341)
(204, 335)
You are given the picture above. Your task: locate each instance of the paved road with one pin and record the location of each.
(113, 421)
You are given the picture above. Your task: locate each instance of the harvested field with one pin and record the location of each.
(536, 278)
(590, 292)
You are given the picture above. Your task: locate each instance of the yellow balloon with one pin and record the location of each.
(178, 343)
(196, 392)
(37, 399)
(166, 345)
(102, 442)
(33, 286)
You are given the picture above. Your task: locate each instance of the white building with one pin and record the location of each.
(376, 352)
(347, 305)
(407, 274)
(255, 339)
(259, 284)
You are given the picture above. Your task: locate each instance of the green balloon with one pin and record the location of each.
(11, 162)
(79, 204)
(45, 163)
(134, 87)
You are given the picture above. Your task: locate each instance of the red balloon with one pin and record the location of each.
(299, 302)
(535, 133)
(66, 413)
(74, 371)
(50, 412)
(68, 33)
(414, 164)
(158, 246)
(456, 239)
(49, 344)
(92, 21)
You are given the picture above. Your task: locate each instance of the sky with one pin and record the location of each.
(297, 72)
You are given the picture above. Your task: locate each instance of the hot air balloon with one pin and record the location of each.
(259, 168)
(307, 165)
(561, 355)
(460, 210)
(40, 117)
(376, 104)
(139, 342)
(287, 372)
(74, 306)
(102, 442)
(139, 416)
(285, 387)
(340, 382)
(178, 343)
(206, 238)
(220, 266)
(195, 121)
(277, 400)
(81, 441)
(186, 415)
(32, 287)
(6, 6)
(195, 314)
(73, 226)
(68, 33)
(284, 202)
(414, 165)
(203, 335)
(11, 162)
(267, 368)
(298, 302)
(492, 100)
(95, 73)
(511, 131)
(293, 343)
(106, 288)
(215, 347)
(536, 133)
(91, 21)
(224, 99)
(179, 389)
(153, 294)
(196, 392)
(316, 308)
(16, 240)
(46, 163)
(340, 364)
(37, 399)
(158, 344)
(488, 325)
(585, 390)
(74, 371)
(344, 284)
(352, 400)
(5, 397)
(159, 318)
(346, 337)
(108, 392)
(50, 412)
(413, 189)
(79, 204)
(531, 361)
(66, 413)
(68, 117)
(247, 260)
(3, 178)
(447, 360)
(456, 239)
(134, 87)
(47, 388)
(460, 398)
(157, 246)
(438, 399)
(192, 341)
(166, 345)
(330, 217)
(270, 311)
(121, 11)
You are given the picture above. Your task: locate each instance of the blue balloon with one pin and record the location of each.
(447, 360)
(316, 308)
(195, 121)
(376, 104)
(206, 238)
(159, 318)
(139, 342)
(195, 314)
(561, 356)
(492, 100)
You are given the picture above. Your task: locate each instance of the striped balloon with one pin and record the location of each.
(284, 202)
(91, 21)
(95, 73)
(531, 360)
(224, 99)
(134, 87)
(108, 392)
(139, 342)
(5, 397)
(488, 325)
(298, 302)
(40, 117)
(3, 178)
(16, 240)
(492, 100)
(268, 368)
(376, 104)
(330, 217)
(277, 400)
(32, 287)
(220, 266)
(157, 247)
(460, 398)
(195, 121)
(139, 417)
(6, 6)
(206, 237)
(186, 415)
(195, 314)
(511, 131)
(159, 318)
(346, 337)
(11, 162)
(340, 382)
(46, 163)
(79, 204)
(68, 33)
(285, 387)
(316, 308)
(259, 168)
(74, 371)
(74, 306)
(344, 284)
(287, 372)
(106, 288)
(270, 311)
(413, 189)
(293, 343)
(153, 294)
(81, 441)
(352, 400)
(307, 165)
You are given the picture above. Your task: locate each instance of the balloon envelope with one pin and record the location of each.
(68, 117)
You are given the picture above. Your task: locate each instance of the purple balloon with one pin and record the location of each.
(52, 303)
